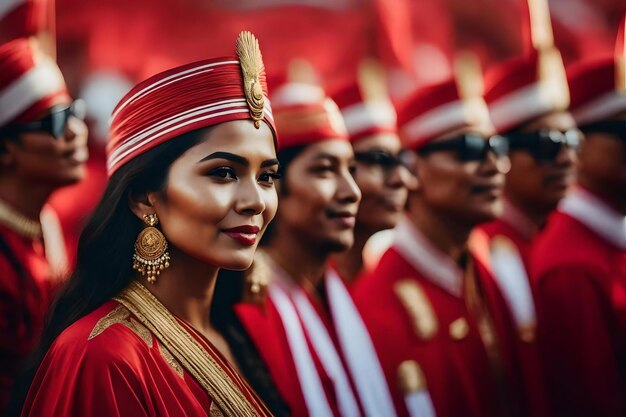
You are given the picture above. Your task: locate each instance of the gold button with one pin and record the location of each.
(459, 328)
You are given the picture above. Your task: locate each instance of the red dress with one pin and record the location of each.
(303, 343)
(26, 289)
(579, 269)
(417, 309)
(109, 364)
(508, 243)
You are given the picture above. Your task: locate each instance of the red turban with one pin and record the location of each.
(435, 110)
(304, 115)
(365, 117)
(187, 98)
(30, 82)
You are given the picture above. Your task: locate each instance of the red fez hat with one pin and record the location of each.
(435, 110)
(598, 86)
(532, 85)
(525, 88)
(365, 105)
(187, 98)
(304, 115)
(31, 82)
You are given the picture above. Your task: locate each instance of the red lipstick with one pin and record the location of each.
(246, 235)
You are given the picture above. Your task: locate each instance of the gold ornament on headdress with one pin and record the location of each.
(251, 64)
(469, 82)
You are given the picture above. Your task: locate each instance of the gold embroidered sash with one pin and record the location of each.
(192, 356)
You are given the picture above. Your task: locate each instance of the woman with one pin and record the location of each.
(192, 157)
(307, 331)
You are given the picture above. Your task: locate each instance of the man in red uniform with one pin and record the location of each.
(578, 263)
(528, 98)
(43, 147)
(371, 123)
(436, 317)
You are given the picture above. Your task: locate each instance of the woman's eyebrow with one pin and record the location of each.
(269, 163)
(228, 156)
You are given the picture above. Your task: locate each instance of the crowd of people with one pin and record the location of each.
(227, 269)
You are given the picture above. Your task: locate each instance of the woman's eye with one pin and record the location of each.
(269, 177)
(226, 173)
(322, 169)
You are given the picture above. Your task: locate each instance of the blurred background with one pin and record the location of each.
(104, 47)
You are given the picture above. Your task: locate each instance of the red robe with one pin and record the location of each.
(109, 364)
(451, 354)
(580, 280)
(317, 348)
(509, 240)
(25, 293)
(264, 325)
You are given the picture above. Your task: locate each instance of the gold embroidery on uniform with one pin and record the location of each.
(417, 305)
(117, 315)
(459, 329)
(173, 363)
(199, 363)
(410, 377)
(140, 330)
(214, 411)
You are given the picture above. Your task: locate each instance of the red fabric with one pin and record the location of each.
(581, 306)
(424, 100)
(116, 374)
(511, 76)
(312, 119)
(533, 375)
(352, 95)
(591, 79)
(17, 57)
(23, 305)
(264, 325)
(26, 18)
(457, 372)
(186, 94)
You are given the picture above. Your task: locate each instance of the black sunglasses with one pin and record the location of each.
(612, 127)
(545, 145)
(470, 147)
(383, 159)
(53, 123)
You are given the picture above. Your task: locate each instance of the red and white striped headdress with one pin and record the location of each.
(304, 115)
(365, 105)
(22, 18)
(30, 81)
(532, 85)
(435, 110)
(598, 86)
(187, 98)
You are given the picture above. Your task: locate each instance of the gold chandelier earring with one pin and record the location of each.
(151, 255)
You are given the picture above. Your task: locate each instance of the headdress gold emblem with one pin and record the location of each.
(251, 64)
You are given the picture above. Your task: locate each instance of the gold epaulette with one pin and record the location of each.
(418, 307)
(410, 377)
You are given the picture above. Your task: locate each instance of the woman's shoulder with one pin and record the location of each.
(109, 332)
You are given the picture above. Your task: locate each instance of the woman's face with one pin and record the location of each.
(321, 199)
(220, 195)
(383, 184)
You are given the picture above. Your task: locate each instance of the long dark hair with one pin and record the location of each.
(229, 291)
(105, 248)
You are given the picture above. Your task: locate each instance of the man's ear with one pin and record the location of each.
(142, 204)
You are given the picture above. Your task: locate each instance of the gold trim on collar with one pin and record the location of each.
(189, 353)
(19, 223)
